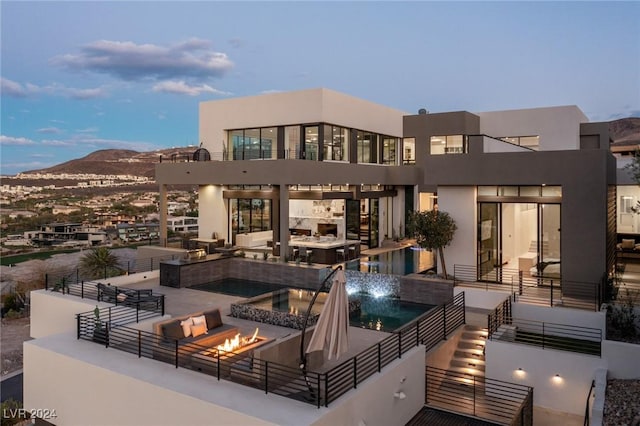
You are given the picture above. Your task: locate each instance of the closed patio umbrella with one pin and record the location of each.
(332, 329)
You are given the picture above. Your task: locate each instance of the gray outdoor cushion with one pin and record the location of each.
(173, 330)
(213, 319)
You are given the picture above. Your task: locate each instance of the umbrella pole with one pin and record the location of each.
(303, 355)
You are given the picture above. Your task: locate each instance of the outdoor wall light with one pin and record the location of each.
(520, 372)
(557, 379)
(399, 395)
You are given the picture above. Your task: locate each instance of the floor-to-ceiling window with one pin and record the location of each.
(389, 146)
(409, 151)
(250, 215)
(519, 232)
(367, 144)
(335, 143)
(250, 144)
(310, 151)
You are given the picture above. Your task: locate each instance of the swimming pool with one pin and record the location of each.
(288, 307)
(385, 313)
(237, 287)
(408, 260)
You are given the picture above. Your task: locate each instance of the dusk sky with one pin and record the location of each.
(83, 76)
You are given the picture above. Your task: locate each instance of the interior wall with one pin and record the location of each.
(627, 221)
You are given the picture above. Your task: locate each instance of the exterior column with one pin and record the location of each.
(162, 207)
(283, 221)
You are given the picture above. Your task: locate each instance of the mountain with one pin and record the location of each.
(117, 162)
(625, 132)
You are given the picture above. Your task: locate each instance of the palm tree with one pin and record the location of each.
(100, 262)
(432, 229)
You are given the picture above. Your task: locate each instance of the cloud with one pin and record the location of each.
(49, 130)
(10, 140)
(38, 155)
(17, 90)
(88, 130)
(12, 88)
(130, 61)
(270, 91)
(18, 167)
(183, 88)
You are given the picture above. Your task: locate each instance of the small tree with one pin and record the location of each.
(100, 262)
(432, 229)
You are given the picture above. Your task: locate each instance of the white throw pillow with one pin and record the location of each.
(198, 329)
(186, 326)
(199, 320)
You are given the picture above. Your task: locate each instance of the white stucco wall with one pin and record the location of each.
(212, 210)
(460, 203)
(290, 108)
(557, 315)
(94, 385)
(568, 393)
(483, 299)
(622, 359)
(558, 127)
(53, 313)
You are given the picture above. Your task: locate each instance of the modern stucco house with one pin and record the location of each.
(524, 186)
(533, 193)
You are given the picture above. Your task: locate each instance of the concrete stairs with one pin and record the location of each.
(468, 359)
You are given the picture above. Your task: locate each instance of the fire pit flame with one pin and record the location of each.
(230, 345)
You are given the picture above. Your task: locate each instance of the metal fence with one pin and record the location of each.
(77, 275)
(313, 387)
(571, 338)
(543, 291)
(489, 399)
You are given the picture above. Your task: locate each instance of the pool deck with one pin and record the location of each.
(182, 301)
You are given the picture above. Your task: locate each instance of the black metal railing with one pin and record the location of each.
(587, 408)
(499, 316)
(493, 400)
(571, 338)
(144, 299)
(543, 291)
(429, 330)
(313, 387)
(77, 275)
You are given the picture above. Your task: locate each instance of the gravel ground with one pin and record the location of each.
(14, 332)
(622, 403)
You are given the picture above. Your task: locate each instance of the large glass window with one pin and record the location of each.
(310, 143)
(409, 151)
(250, 215)
(389, 145)
(335, 143)
(367, 147)
(291, 142)
(250, 144)
(453, 144)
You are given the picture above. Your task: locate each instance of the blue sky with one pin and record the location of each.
(83, 76)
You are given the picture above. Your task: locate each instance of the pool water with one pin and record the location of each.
(404, 261)
(385, 313)
(236, 287)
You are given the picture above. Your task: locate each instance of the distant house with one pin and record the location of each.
(65, 209)
(56, 234)
(137, 232)
(182, 224)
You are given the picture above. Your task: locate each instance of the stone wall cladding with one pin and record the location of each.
(420, 289)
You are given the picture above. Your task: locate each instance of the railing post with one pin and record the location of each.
(551, 293)
(444, 321)
(77, 275)
(266, 374)
(379, 358)
(176, 355)
(78, 325)
(474, 395)
(355, 373)
(46, 281)
(326, 390)
(464, 313)
(520, 282)
(139, 343)
(138, 311)
(82, 289)
(162, 297)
